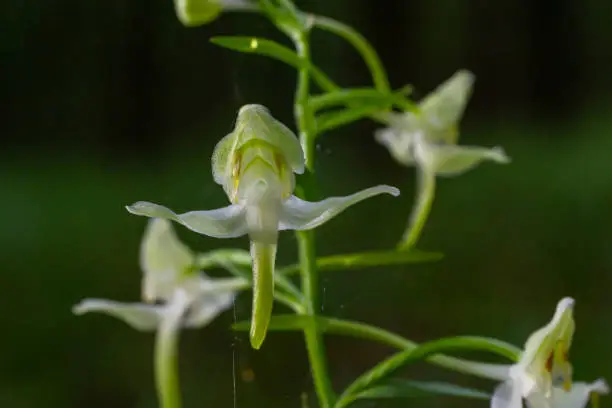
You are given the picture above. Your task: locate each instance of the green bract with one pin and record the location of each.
(255, 164)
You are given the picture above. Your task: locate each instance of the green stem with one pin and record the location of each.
(365, 331)
(403, 358)
(365, 260)
(369, 55)
(306, 239)
(426, 189)
(166, 360)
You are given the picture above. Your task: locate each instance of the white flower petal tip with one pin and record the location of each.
(145, 208)
(463, 78)
(80, 308)
(498, 154)
(139, 316)
(394, 191)
(600, 386)
(563, 305)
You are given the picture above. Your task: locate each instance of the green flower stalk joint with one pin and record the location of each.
(543, 376)
(193, 13)
(427, 138)
(255, 164)
(188, 299)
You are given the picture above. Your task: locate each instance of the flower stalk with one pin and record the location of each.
(306, 239)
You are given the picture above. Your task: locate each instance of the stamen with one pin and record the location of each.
(235, 176)
(549, 362)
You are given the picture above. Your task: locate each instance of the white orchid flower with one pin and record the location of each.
(255, 164)
(427, 138)
(175, 296)
(543, 376)
(187, 298)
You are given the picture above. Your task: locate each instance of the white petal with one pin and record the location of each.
(139, 316)
(507, 395)
(399, 143)
(579, 395)
(163, 258)
(221, 168)
(298, 214)
(226, 222)
(442, 109)
(209, 299)
(450, 160)
(540, 344)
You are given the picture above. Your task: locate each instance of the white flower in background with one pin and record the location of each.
(255, 164)
(185, 297)
(193, 13)
(427, 138)
(543, 376)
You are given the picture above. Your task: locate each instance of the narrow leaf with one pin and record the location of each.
(399, 360)
(272, 49)
(401, 388)
(367, 260)
(259, 46)
(333, 120)
(368, 332)
(353, 96)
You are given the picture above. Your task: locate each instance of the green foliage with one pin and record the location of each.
(255, 165)
(401, 388)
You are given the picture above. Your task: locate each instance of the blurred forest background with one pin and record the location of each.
(108, 102)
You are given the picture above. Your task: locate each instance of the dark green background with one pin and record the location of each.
(106, 102)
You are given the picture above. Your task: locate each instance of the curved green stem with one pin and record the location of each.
(306, 243)
(426, 189)
(166, 361)
(365, 331)
(389, 366)
(369, 55)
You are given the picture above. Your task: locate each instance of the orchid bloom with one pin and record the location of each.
(255, 164)
(427, 138)
(174, 296)
(543, 376)
(188, 298)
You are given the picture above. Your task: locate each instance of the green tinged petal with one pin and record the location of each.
(221, 160)
(450, 160)
(226, 222)
(209, 299)
(139, 316)
(256, 122)
(298, 214)
(442, 109)
(264, 256)
(163, 259)
(400, 144)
